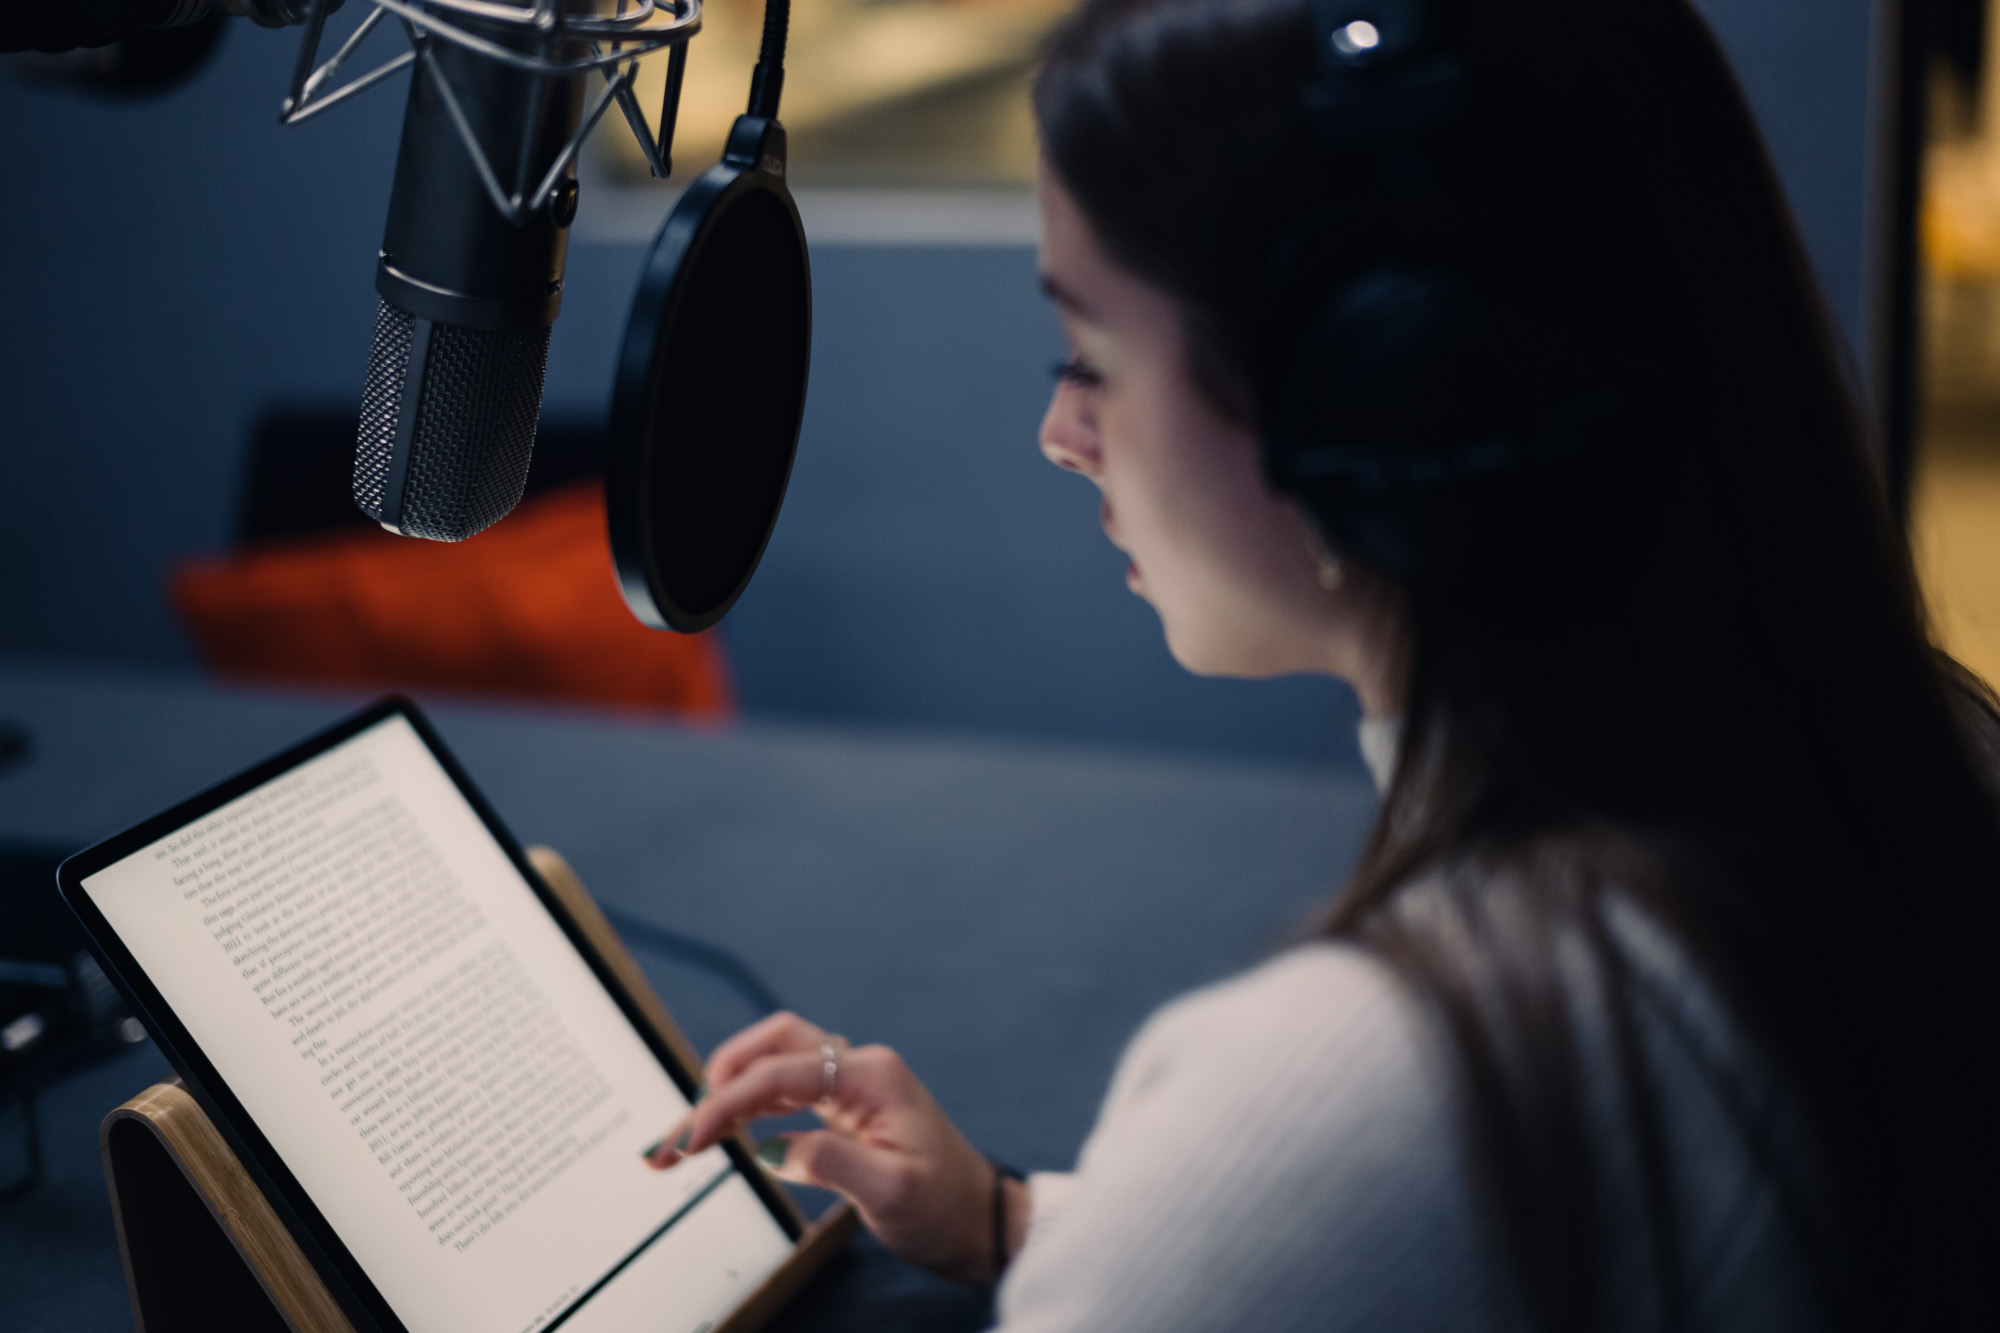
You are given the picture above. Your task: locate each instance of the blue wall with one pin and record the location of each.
(174, 267)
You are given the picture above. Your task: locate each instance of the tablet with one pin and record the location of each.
(415, 1052)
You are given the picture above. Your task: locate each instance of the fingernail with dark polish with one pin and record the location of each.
(772, 1152)
(681, 1143)
(652, 1149)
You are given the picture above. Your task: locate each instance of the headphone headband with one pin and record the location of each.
(1386, 70)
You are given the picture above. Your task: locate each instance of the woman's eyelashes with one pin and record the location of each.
(1077, 371)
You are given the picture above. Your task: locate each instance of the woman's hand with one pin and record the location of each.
(918, 1184)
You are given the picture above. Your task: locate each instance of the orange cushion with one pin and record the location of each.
(528, 608)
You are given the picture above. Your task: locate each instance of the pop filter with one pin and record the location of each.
(711, 388)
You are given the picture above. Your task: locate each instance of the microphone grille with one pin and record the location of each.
(381, 403)
(477, 399)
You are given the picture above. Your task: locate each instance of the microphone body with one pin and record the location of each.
(454, 386)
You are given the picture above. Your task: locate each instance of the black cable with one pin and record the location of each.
(769, 80)
(708, 957)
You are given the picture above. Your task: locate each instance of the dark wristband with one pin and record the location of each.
(1002, 1173)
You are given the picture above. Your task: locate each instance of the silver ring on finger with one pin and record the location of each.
(829, 1071)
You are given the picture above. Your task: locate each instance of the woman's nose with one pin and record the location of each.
(1068, 439)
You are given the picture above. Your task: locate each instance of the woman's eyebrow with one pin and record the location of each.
(1063, 296)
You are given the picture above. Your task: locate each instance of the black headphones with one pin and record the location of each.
(1414, 385)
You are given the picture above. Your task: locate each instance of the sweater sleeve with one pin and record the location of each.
(1048, 1191)
(1277, 1152)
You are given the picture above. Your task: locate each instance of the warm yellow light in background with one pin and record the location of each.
(908, 92)
(1955, 536)
(1955, 485)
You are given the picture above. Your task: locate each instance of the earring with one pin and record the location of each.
(1331, 572)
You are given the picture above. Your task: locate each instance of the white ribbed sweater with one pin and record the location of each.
(1280, 1151)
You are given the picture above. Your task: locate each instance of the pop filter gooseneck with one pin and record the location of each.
(711, 381)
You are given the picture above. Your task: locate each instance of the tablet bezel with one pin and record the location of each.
(345, 1279)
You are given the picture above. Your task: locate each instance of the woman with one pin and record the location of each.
(1467, 353)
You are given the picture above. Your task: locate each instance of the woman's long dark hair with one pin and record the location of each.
(1688, 670)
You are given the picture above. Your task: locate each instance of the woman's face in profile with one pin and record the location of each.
(1231, 568)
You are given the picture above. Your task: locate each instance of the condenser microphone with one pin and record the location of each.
(470, 277)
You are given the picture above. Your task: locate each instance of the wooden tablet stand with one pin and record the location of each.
(203, 1248)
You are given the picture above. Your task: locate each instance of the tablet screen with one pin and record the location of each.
(432, 1058)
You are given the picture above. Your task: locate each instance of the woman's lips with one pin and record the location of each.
(1104, 519)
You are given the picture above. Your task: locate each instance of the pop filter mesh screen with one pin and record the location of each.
(727, 403)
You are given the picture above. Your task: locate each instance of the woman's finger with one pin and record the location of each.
(831, 1160)
(668, 1148)
(774, 1085)
(779, 1034)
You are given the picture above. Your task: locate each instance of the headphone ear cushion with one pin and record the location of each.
(1418, 417)
(1376, 384)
